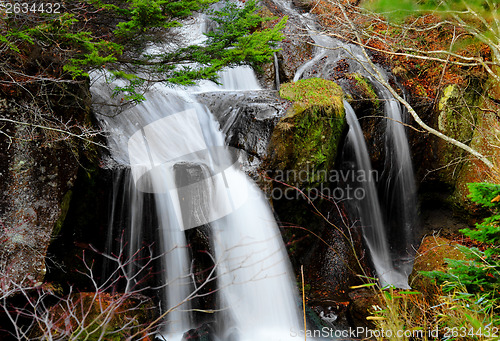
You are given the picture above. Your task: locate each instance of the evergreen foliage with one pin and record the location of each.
(234, 41)
(481, 272)
(114, 34)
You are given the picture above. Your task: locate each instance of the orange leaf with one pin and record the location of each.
(496, 199)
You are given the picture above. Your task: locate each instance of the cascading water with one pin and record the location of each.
(400, 190)
(368, 208)
(388, 226)
(164, 140)
(276, 71)
(181, 176)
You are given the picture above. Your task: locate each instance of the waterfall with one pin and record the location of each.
(258, 291)
(400, 191)
(276, 71)
(174, 156)
(368, 207)
(395, 220)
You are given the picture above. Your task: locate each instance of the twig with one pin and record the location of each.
(304, 302)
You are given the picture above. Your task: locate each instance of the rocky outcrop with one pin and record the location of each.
(247, 118)
(301, 157)
(306, 140)
(485, 139)
(462, 113)
(294, 52)
(456, 119)
(38, 168)
(296, 48)
(431, 256)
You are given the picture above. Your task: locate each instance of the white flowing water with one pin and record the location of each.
(369, 209)
(159, 138)
(388, 232)
(276, 71)
(256, 284)
(400, 191)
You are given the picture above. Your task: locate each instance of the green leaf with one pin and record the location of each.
(476, 324)
(410, 293)
(363, 285)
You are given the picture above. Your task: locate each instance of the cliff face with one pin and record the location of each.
(38, 168)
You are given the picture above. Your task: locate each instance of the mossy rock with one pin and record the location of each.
(455, 119)
(306, 140)
(460, 118)
(431, 256)
(363, 90)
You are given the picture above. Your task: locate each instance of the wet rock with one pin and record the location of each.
(294, 52)
(247, 118)
(38, 168)
(363, 303)
(306, 140)
(361, 94)
(267, 76)
(296, 48)
(200, 244)
(206, 332)
(333, 264)
(431, 256)
(192, 192)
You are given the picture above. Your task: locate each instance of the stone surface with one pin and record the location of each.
(294, 51)
(306, 140)
(296, 48)
(206, 332)
(362, 305)
(456, 121)
(38, 168)
(444, 169)
(302, 151)
(431, 256)
(247, 118)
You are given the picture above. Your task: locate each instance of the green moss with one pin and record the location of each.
(64, 211)
(457, 113)
(366, 88)
(447, 93)
(314, 93)
(456, 116)
(307, 138)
